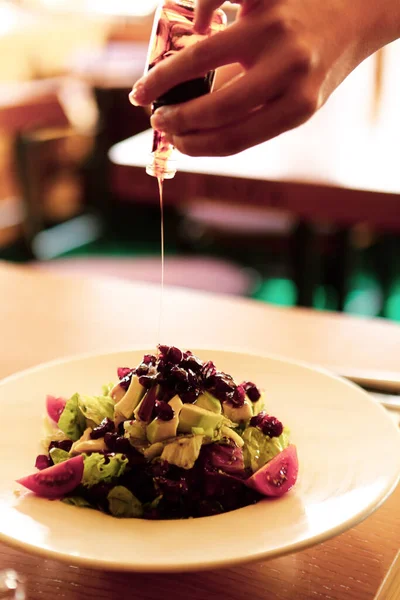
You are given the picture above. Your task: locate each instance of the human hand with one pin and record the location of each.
(293, 54)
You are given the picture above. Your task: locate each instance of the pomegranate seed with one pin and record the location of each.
(110, 441)
(149, 359)
(268, 424)
(179, 374)
(239, 396)
(189, 396)
(251, 390)
(106, 426)
(123, 372)
(192, 362)
(272, 427)
(42, 462)
(208, 370)
(126, 381)
(164, 411)
(147, 381)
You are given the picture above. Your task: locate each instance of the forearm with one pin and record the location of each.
(384, 24)
(367, 27)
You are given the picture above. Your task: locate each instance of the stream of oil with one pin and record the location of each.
(160, 189)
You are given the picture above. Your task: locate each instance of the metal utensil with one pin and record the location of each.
(385, 388)
(387, 400)
(379, 381)
(390, 587)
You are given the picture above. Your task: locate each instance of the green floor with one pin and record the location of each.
(365, 295)
(374, 283)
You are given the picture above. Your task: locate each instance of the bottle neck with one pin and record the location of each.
(185, 3)
(162, 163)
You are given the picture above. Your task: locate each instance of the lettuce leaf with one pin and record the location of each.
(97, 470)
(72, 421)
(259, 448)
(77, 501)
(106, 389)
(57, 455)
(122, 503)
(96, 408)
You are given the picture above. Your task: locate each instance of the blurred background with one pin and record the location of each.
(321, 229)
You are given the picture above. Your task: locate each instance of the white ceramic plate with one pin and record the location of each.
(349, 454)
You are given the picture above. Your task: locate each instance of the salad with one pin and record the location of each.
(174, 438)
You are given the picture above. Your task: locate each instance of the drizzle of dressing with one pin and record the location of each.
(160, 180)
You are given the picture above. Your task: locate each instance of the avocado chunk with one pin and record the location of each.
(195, 416)
(125, 407)
(183, 451)
(159, 430)
(259, 405)
(209, 402)
(238, 414)
(135, 431)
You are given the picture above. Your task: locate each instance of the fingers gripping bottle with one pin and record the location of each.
(172, 32)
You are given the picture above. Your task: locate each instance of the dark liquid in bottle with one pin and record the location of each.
(174, 33)
(188, 90)
(183, 92)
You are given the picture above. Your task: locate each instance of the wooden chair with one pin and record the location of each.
(23, 107)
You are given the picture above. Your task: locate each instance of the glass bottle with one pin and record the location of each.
(173, 31)
(12, 585)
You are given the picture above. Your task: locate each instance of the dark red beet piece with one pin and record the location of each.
(142, 369)
(147, 381)
(189, 396)
(272, 427)
(238, 397)
(123, 372)
(191, 362)
(224, 387)
(170, 354)
(146, 408)
(251, 390)
(208, 370)
(110, 440)
(62, 445)
(126, 381)
(106, 426)
(164, 411)
(149, 359)
(42, 462)
(179, 374)
(268, 424)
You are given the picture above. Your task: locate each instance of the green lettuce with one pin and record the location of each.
(96, 408)
(77, 501)
(58, 456)
(96, 470)
(72, 421)
(183, 451)
(122, 503)
(106, 389)
(259, 448)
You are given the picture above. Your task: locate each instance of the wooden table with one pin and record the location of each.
(44, 317)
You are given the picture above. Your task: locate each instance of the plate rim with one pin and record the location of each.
(297, 546)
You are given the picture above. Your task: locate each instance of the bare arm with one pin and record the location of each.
(293, 55)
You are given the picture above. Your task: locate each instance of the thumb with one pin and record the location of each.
(203, 14)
